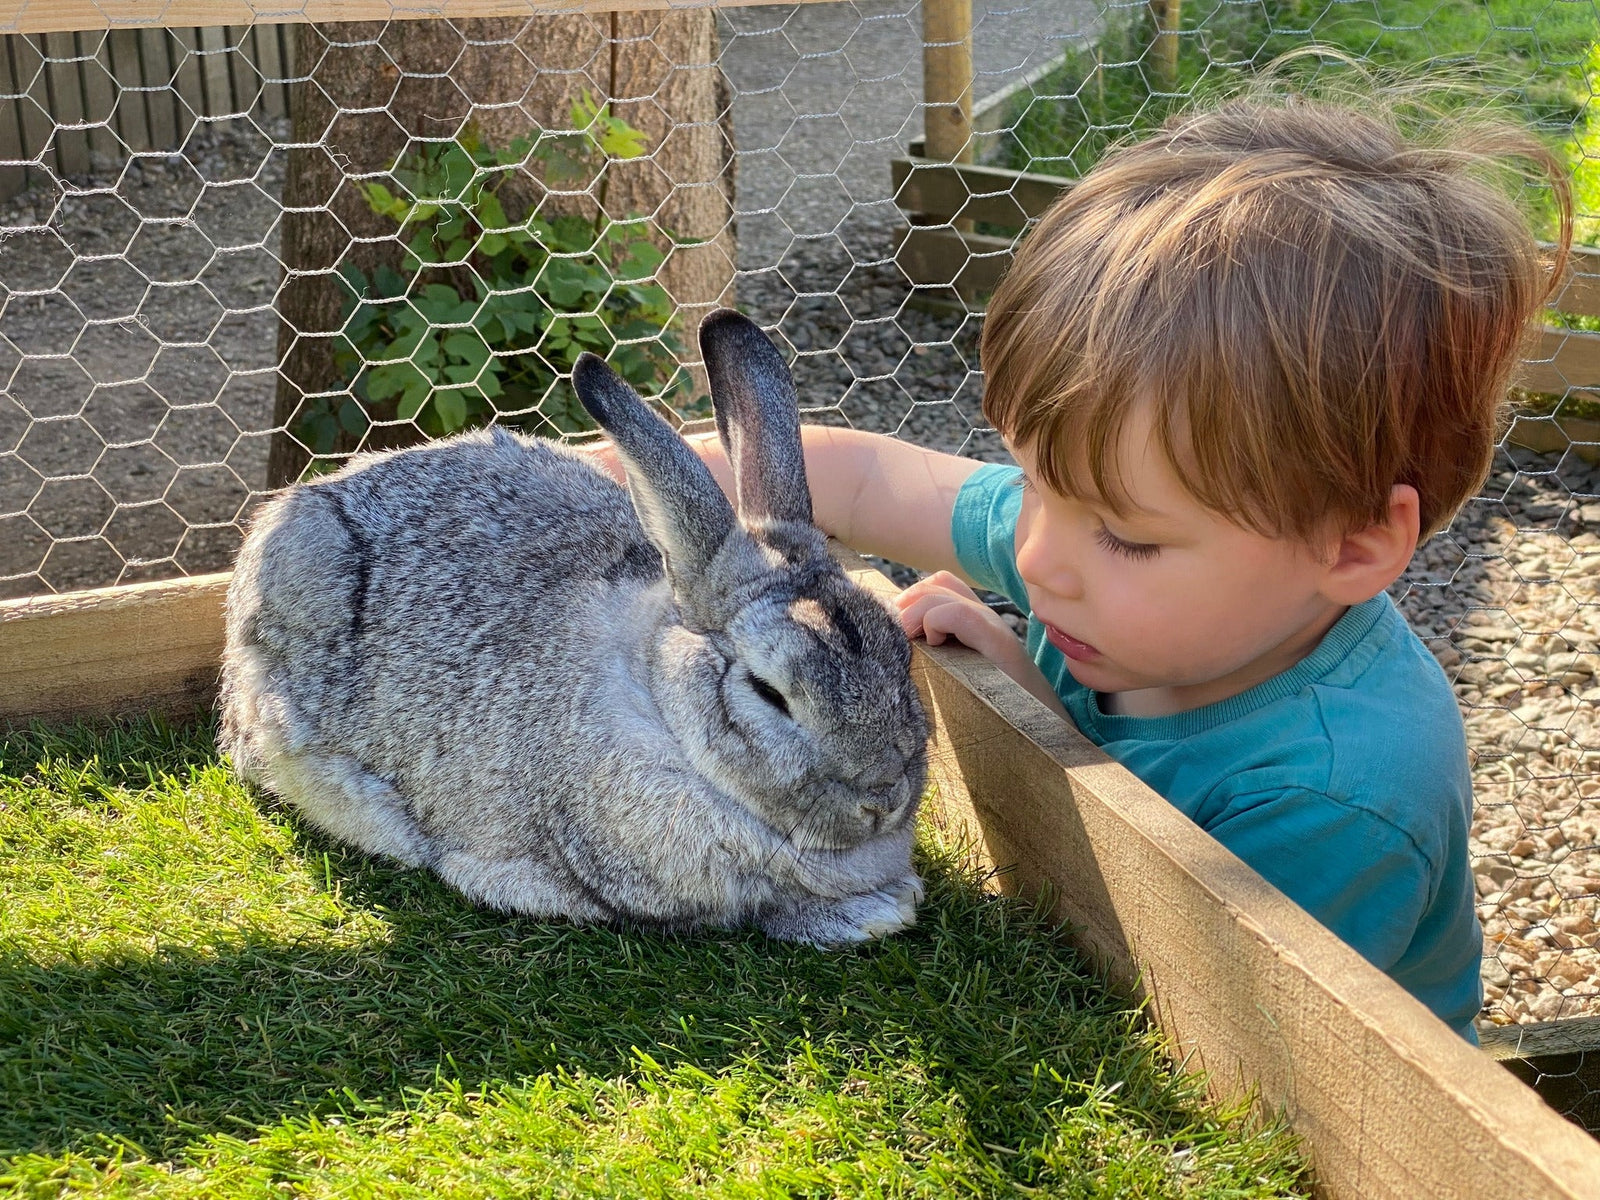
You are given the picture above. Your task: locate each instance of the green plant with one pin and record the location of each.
(488, 312)
(1530, 60)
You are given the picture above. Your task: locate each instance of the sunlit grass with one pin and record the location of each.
(200, 998)
(1535, 61)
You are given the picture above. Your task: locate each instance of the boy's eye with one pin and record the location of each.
(1136, 550)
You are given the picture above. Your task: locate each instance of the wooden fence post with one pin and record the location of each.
(947, 78)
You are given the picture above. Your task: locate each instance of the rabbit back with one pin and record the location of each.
(408, 640)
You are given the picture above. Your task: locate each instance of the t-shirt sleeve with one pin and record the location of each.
(1349, 868)
(983, 526)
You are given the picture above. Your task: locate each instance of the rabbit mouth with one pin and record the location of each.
(844, 814)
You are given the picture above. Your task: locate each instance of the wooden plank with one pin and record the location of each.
(1546, 434)
(1581, 293)
(50, 16)
(132, 121)
(64, 104)
(960, 190)
(264, 51)
(989, 114)
(188, 81)
(33, 110)
(1539, 1039)
(1561, 359)
(211, 63)
(13, 143)
(971, 263)
(158, 50)
(99, 94)
(147, 646)
(1251, 990)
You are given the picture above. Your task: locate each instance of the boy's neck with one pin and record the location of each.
(1168, 701)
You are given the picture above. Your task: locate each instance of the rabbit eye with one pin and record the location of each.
(770, 694)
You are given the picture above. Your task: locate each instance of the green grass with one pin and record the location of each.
(1536, 60)
(200, 998)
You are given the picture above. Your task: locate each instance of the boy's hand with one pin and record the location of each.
(942, 606)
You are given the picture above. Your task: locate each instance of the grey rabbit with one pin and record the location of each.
(477, 656)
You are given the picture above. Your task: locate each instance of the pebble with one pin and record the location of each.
(1516, 582)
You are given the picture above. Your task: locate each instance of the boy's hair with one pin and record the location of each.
(1317, 307)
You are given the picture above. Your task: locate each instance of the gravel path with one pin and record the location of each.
(135, 419)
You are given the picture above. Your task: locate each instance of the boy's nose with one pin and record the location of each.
(1042, 564)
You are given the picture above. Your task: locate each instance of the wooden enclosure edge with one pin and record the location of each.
(70, 16)
(1247, 987)
(63, 16)
(143, 647)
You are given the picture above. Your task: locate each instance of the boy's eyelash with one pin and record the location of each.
(1134, 550)
(1107, 539)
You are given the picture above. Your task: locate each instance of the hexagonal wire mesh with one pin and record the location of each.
(181, 204)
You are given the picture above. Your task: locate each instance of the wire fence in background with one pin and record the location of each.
(232, 255)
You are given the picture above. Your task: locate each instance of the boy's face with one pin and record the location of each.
(1173, 606)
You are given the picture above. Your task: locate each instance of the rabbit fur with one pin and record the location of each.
(479, 657)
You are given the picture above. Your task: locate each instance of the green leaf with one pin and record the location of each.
(352, 419)
(640, 260)
(621, 140)
(468, 347)
(565, 282)
(490, 214)
(389, 380)
(416, 395)
(383, 202)
(452, 409)
(324, 432)
(422, 249)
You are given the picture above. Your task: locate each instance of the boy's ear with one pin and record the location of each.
(1369, 560)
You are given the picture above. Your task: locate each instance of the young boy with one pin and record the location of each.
(1243, 366)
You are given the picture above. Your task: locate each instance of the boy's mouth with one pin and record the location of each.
(1070, 646)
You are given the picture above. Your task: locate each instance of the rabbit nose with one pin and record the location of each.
(882, 801)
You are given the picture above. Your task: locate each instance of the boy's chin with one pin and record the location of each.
(1097, 675)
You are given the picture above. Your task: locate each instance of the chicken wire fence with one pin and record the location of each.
(231, 255)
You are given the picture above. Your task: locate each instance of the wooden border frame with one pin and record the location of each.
(69, 16)
(1390, 1102)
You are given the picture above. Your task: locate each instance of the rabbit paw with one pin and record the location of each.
(860, 918)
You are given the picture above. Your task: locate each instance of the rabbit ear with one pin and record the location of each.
(679, 503)
(758, 418)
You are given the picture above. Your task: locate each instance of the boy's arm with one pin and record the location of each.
(876, 494)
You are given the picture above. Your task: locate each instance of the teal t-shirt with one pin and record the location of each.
(1343, 781)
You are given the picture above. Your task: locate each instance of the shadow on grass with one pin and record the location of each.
(159, 1051)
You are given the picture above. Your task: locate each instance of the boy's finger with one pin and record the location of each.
(952, 583)
(913, 608)
(940, 583)
(969, 622)
(914, 611)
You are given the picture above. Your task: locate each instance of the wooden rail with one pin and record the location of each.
(64, 16)
(1390, 1102)
(144, 647)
